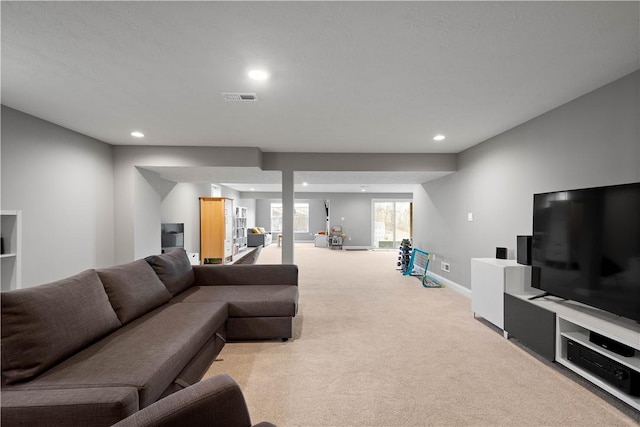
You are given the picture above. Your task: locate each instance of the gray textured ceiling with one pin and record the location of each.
(378, 77)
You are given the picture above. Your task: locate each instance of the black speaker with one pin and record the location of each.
(524, 250)
(501, 253)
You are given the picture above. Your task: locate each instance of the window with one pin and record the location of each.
(276, 217)
(392, 222)
(300, 217)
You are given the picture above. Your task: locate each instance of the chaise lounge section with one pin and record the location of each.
(258, 237)
(97, 347)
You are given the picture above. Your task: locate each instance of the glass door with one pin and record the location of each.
(392, 222)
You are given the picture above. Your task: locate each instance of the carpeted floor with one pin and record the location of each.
(374, 348)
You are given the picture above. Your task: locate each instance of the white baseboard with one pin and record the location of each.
(453, 285)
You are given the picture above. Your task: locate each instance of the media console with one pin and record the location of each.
(574, 323)
(501, 292)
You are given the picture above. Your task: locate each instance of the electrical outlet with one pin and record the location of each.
(444, 266)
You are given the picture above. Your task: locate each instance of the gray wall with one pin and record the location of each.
(591, 141)
(63, 183)
(316, 216)
(136, 227)
(250, 204)
(182, 205)
(87, 204)
(149, 189)
(355, 208)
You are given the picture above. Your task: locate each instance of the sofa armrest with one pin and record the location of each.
(246, 274)
(258, 239)
(217, 401)
(101, 406)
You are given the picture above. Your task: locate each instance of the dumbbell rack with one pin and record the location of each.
(404, 255)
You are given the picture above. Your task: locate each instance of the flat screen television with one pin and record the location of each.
(586, 247)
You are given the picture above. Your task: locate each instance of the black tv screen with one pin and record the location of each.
(586, 247)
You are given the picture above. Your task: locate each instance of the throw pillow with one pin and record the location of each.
(174, 270)
(43, 325)
(133, 289)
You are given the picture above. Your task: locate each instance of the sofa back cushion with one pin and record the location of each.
(174, 270)
(133, 289)
(46, 324)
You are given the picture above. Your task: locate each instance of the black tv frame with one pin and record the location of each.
(563, 274)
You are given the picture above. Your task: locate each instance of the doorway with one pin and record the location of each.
(392, 222)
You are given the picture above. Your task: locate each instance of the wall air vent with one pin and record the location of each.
(236, 96)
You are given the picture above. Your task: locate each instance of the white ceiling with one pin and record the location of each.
(377, 77)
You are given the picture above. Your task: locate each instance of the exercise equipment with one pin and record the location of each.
(405, 255)
(418, 266)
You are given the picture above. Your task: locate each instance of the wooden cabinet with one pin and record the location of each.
(216, 230)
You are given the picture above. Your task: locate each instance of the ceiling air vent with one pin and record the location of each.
(236, 96)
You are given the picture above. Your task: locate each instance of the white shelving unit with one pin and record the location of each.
(574, 321)
(11, 257)
(240, 230)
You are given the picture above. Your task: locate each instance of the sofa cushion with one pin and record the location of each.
(133, 289)
(174, 270)
(248, 300)
(46, 324)
(147, 353)
(246, 274)
(84, 406)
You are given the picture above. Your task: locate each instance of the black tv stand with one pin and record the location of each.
(547, 294)
(542, 295)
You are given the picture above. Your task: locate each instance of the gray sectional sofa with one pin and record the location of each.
(96, 347)
(258, 239)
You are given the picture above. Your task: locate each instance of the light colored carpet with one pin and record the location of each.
(374, 348)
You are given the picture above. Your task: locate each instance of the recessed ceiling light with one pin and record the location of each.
(253, 189)
(438, 137)
(305, 183)
(137, 134)
(258, 75)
